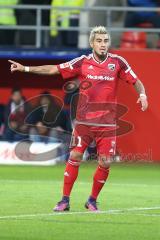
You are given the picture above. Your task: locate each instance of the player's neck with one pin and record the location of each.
(99, 58)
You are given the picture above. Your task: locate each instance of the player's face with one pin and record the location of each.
(100, 45)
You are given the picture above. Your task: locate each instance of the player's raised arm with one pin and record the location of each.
(44, 69)
(139, 87)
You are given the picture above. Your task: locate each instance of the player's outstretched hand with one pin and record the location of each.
(144, 102)
(15, 66)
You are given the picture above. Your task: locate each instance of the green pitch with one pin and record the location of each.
(130, 204)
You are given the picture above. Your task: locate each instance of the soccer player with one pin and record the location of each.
(98, 74)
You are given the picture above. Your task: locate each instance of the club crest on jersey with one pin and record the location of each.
(111, 66)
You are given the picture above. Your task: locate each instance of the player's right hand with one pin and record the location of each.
(15, 66)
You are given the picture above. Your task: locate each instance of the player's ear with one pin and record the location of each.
(91, 44)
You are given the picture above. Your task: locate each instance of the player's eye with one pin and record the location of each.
(99, 40)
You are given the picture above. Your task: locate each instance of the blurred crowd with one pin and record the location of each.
(71, 18)
(44, 118)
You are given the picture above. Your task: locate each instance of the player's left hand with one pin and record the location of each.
(144, 102)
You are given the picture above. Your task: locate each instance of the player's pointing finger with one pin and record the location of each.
(11, 61)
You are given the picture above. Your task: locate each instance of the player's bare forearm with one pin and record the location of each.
(44, 70)
(139, 87)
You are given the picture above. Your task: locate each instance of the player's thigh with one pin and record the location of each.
(81, 139)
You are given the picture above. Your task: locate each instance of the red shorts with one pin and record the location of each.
(104, 138)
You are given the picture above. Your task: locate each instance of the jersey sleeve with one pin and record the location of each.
(71, 69)
(126, 73)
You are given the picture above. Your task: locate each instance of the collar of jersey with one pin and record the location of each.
(97, 61)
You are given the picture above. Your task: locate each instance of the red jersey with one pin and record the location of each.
(98, 86)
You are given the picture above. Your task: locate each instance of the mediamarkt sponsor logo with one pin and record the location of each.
(100, 77)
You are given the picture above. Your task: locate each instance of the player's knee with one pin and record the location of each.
(104, 161)
(76, 155)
